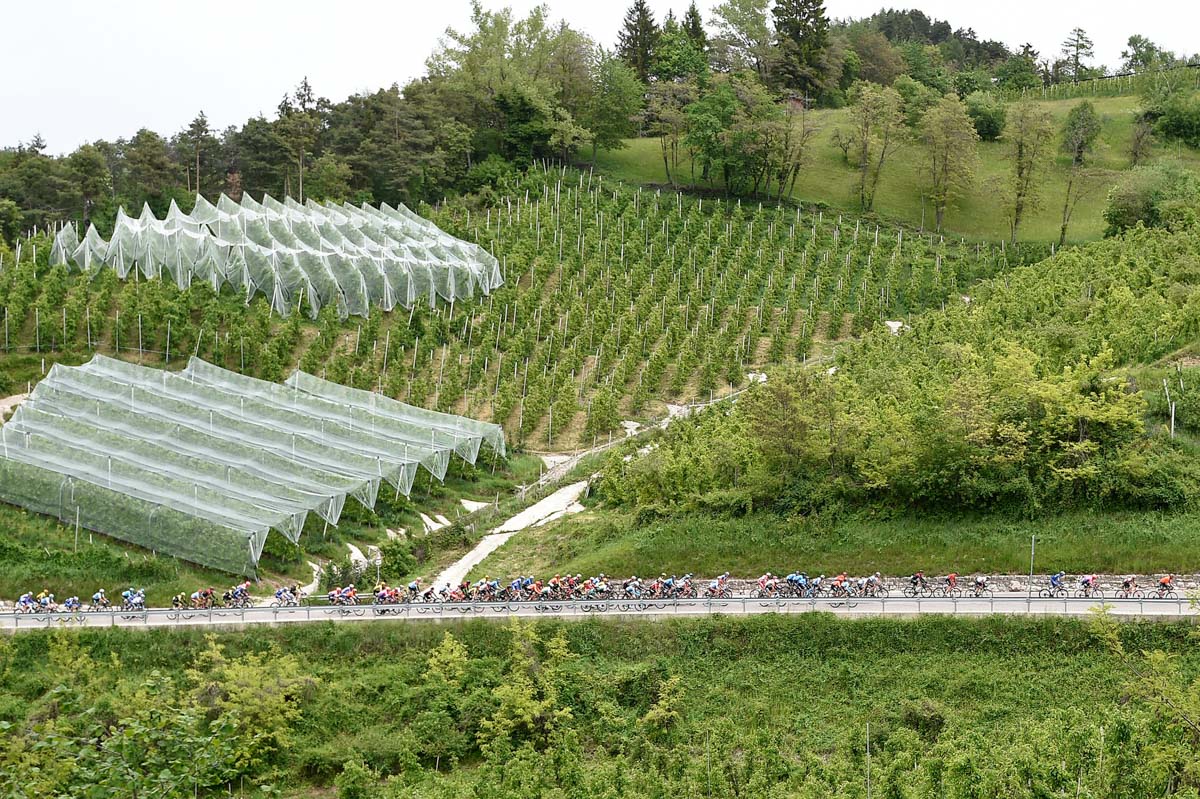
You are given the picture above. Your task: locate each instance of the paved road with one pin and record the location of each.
(1006, 603)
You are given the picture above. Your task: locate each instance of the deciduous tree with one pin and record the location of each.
(951, 156)
(1029, 132)
(875, 112)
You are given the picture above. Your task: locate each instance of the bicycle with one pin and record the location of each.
(1088, 592)
(921, 589)
(1053, 592)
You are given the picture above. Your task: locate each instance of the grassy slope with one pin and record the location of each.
(828, 179)
(808, 682)
(613, 542)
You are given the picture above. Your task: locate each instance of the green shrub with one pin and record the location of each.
(357, 781)
(1163, 195)
(1179, 118)
(398, 560)
(988, 114)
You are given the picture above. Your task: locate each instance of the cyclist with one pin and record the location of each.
(414, 588)
(980, 582)
(952, 580)
(1129, 584)
(633, 587)
(1088, 584)
(873, 582)
(27, 602)
(918, 579)
(46, 601)
(178, 601)
(99, 600)
(1056, 580)
(1165, 584)
(815, 585)
(72, 603)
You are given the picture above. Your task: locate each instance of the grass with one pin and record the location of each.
(826, 178)
(602, 540)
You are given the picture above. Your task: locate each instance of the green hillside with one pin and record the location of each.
(1024, 411)
(826, 178)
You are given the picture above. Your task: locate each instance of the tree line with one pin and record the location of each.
(726, 98)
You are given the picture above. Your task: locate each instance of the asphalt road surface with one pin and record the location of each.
(1001, 603)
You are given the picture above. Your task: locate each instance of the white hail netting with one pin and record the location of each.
(355, 257)
(201, 464)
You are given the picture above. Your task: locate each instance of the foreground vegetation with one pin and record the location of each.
(716, 707)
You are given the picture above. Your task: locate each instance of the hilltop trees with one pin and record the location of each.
(1077, 49)
(638, 39)
(743, 38)
(802, 34)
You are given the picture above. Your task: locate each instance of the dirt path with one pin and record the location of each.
(10, 403)
(556, 505)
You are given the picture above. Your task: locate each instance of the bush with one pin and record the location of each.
(492, 172)
(988, 114)
(357, 781)
(1179, 118)
(918, 98)
(1158, 195)
(398, 560)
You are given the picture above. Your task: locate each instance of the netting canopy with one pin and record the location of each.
(202, 464)
(355, 257)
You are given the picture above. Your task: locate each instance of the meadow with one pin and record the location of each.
(828, 179)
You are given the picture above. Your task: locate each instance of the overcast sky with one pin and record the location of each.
(79, 70)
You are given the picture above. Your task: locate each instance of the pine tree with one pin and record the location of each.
(693, 26)
(802, 33)
(638, 38)
(1076, 48)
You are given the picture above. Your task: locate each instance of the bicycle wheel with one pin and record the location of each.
(910, 591)
(881, 592)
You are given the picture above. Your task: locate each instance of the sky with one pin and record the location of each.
(95, 70)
